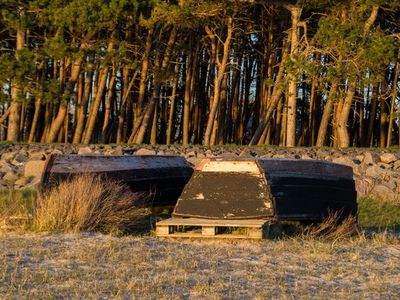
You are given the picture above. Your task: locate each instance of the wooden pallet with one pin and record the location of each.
(208, 228)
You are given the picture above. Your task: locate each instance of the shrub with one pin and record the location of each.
(89, 203)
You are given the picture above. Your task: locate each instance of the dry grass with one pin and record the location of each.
(98, 266)
(88, 203)
(332, 228)
(324, 260)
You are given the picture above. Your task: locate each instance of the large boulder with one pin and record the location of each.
(10, 177)
(34, 168)
(363, 185)
(375, 171)
(144, 151)
(8, 156)
(370, 158)
(388, 158)
(343, 160)
(385, 193)
(85, 151)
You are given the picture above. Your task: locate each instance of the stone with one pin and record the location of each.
(39, 155)
(391, 184)
(21, 182)
(384, 165)
(144, 151)
(357, 170)
(57, 152)
(228, 155)
(306, 157)
(20, 158)
(191, 154)
(343, 160)
(396, 165)
(117, 151)
(34, 183)
(5, 167)
(360, 157)
(384, 193)
(370, 158)
(201, 155)
(160, 152)
(8, 156)
(10, 177)
(363, 185)
(34, 168)
(388, 158)
(279, 156)
(374, 171)
(209, 154)
(85, 151)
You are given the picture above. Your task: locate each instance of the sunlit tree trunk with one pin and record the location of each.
(16, 92)
(217, 83)
(292, 89)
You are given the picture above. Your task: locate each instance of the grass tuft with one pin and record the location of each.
(332, 228)
(89, 203)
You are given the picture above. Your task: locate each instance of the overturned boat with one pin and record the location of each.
(282, 189)
(162, 176)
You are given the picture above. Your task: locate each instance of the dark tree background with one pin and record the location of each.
(305, 73)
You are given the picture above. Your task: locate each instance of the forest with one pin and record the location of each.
(286, 73)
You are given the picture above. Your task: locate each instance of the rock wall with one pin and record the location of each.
(376, 172)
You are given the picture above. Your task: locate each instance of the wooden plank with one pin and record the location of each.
(231, 166)
(162, 230)
(217, 236)
(208, 230)
(208, 222)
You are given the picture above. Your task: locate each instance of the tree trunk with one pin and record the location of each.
(372, 115)
(217, 83)
(171, 115)
(186, 100)
(82, 106)
(391, 114)
(326, 116)
(108, 107)
(343, 133)
(94, 109)
(276, 96)
(146, 119)
(143, 73)
(15, 107)
(69, 89)
(292, 89)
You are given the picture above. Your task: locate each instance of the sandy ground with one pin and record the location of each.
(103, 267)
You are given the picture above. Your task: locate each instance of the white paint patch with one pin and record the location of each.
(199, 196)
(232, 167)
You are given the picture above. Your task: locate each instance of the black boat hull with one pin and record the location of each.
(162, 177)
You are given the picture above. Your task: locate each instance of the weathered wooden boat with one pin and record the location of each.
(163, 176)
(283, 189)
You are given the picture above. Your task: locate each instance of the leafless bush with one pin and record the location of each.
(89, 203)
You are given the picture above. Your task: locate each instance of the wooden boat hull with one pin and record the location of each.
(298, 190)
(162, 176)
